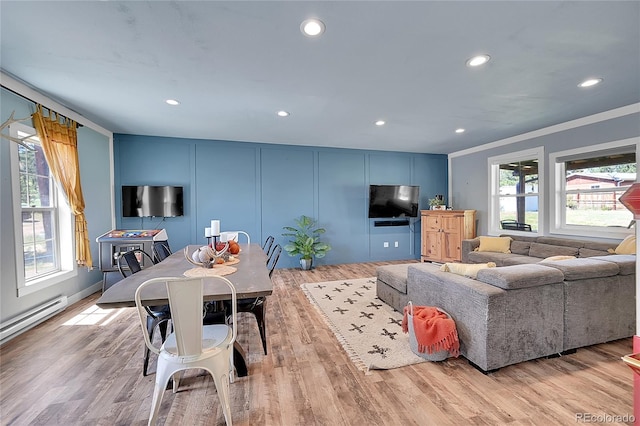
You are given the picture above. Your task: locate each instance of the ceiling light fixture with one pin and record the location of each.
(478, 60)
(312, 27)
(590, 82)
(380, 123)
(283, 113)
(460, 130)
(172, 102)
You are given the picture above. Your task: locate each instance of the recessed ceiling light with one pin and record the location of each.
(590, 82)
(460, 130)
(172, 102)
(283, 113)
(380, 123)
(478, 60)
(312, 27)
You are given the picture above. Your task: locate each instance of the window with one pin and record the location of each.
(42, 219)
(515, 189)
(588, 186)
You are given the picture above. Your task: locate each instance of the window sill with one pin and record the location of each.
(44, 282)
(610, 233)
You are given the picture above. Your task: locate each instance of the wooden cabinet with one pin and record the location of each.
(443, 232)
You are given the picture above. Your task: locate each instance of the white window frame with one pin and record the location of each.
(558, 223)
(64, 229)
(494, 188)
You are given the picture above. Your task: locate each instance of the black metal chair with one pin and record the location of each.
(267, 244)
(512, 225)
(161, 251)
(257, 306)
(156, 315)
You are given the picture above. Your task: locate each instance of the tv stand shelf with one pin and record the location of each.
(404, 222)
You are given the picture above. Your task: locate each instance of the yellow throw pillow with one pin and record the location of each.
(556, 258)
(627, 246)
(466, 269)
(496, 244)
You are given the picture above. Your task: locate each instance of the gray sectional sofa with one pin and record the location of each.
(526, 249)
(528, 309)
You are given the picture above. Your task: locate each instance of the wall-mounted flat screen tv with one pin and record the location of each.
(393, 201)
(159, 201)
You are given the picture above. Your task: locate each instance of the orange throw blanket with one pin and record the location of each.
(434, 330)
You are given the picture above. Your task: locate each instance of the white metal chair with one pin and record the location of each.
(191, 345)
(233, 235)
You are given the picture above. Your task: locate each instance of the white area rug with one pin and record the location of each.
(369, 330)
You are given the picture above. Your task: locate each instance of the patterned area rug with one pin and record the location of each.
(369, 330)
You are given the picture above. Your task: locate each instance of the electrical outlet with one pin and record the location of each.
(395, 244)
(386, 244)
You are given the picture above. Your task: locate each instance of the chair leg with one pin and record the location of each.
(220, 376)
(151, 325)
(259, 312)
(163, 374)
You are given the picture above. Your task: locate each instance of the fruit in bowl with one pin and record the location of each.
(234, 247)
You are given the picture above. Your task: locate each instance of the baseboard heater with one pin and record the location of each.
(32, 317)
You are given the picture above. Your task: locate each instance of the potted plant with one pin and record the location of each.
(304, 241)
(437, 203)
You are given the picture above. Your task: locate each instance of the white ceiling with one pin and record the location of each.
(234, 64)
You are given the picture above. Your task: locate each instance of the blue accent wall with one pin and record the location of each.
(259, 188)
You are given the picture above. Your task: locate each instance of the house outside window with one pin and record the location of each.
(516, 181)
(588, 186)
(44, 231)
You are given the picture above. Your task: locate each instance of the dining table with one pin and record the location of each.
(248, 273)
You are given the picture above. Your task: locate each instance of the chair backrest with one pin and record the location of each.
(267, 244)
(272, 261)
(131, 258)
(161, 250)
(233, 235)
(185, 301)
(515, 226)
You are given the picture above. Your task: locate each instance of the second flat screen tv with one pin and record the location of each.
(393, 201)
(158, 201)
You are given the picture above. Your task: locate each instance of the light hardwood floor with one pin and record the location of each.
(72, 370)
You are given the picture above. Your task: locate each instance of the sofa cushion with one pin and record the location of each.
(626, 262)
(489, 256)
(495, 244)
(520, 276)
(557, 241)
(580, 269)
(518, 259)
(466, 269)
(587, 252)
(597, 245)
(394, 276)
(520, 247)
(546, 250)
(520, 237)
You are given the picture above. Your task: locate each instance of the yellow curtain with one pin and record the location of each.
(60, 146)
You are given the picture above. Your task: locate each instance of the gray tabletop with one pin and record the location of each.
(251, 280)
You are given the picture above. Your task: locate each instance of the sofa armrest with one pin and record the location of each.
(467, 247)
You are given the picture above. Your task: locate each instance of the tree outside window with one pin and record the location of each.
(37, 200)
